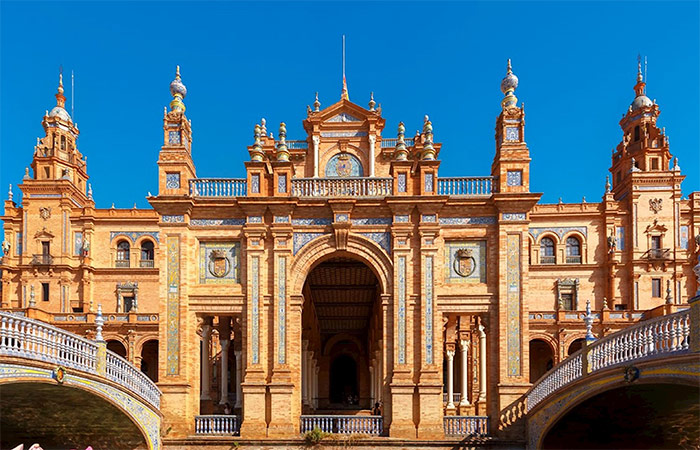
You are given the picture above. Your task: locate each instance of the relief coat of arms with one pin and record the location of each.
(219, 264)
(45, 212)
(343, 166)
(464, 262)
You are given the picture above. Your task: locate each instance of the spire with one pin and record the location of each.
(178, 91)
(401, 153)
(282, 151)
(344, 95)
(60, 98)
(508, 85)
(317, 104)
(428, 149)
(372, 103)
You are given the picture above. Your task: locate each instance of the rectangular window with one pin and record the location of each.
(567, 301)
(656, 287)
(128, 304)
(620, 307)
(18, 244)
(656, 242)
(45, 292)
(618, 178)
(654, 163)
(78, 243)
(45, 248)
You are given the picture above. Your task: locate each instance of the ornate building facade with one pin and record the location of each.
(344, 272)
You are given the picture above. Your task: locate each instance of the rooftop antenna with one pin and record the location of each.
(343, 58)
(72, 95)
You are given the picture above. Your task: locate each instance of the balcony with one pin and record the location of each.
(657, 254)
(548, 259)
(217, 424)
(573, 259)
(342, 187)
(41, 260)
(464, 186)
(146, 263)
(218, 187)
(122, 263)
(370, 425)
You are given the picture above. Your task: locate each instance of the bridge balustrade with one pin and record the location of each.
(28, 338)
(645, 340)
(371, 425)
(217, 424)
(466, 425)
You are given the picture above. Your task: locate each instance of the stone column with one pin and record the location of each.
(206, 345)
(372, 141)
(239, 371)
(482, 363)
(316, 140)
(464, 347)
(380, 376)
(304, 372)
(224, 371)
(314, 384)
(450, 352)
(317, 369)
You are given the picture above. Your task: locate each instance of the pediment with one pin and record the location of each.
(344, 111)
(344, 117)
(656, 227)
(44, 233)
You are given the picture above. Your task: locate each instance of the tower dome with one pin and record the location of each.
(61, 113)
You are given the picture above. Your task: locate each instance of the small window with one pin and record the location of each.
(573, 251)
(620, 307)
(123, 250)
(147, 254)
(45, 292)
(655, 242)
(47, 172)
(656, 287)
(63, 143)
(654, 163)
(45, 248)
(636, 133)
(128, 304)
(567, 301)
(547, 251)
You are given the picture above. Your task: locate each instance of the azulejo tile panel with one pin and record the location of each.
(559, 231)
(401, 274)
(485, 220)
(172, 180)
(428, 218)
(429, 310)
(301, 239)
(78, 243)
(255, 309)
(372, 221)
(219, 262)
(401, 218)
(513, 304)
(173, 307)
(383, 239)
(134, 235)
(514, 178)
(173, 219)
(465, 261)
(312, 221)
(282, 310)
(216, 222)
(514, 216)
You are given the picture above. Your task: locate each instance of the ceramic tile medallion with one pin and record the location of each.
(465, 261)
(173, 307)
(401, 275)
(172, 180)
(344, 165)
(513, 304)
(219, 262)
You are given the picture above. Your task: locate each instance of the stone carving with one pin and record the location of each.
(45, 212)
(655, 204)
(464, 263)
(5, 247)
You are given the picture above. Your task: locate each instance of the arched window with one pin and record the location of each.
(547, 251)
(123, 249)
(146, 254)
(573, 250)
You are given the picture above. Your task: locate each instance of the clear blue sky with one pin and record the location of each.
(242, 61)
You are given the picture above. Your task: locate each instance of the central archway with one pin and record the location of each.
(342, 331)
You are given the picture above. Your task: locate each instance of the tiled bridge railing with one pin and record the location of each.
(372, 425)
(28, 338)
(649, 339)
(218, 424)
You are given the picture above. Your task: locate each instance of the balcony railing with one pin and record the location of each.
(657, 253)
(464, 186)
(32, 339)
(146, 263)
(122, 263)
(372, 425)
(648, 339)
(456, 397)
(466, 425)
(218, 187)
(342, 187)
(575, 259)
(391, 142)
(548, 259)
(297, 145)
(42, 260)
(217, 424)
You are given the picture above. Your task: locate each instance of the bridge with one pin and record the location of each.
(61, 389)
(654, 364)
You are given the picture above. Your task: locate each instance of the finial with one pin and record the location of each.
(371, 101)
(508, 85)
(178, 91)
(112, 205)
(561, 201)
(60, 98)
(607, 184)
(282, 151)
(263, 127)
(583, 200)
(99, 322)
(401, 153)
(344, 95)
(588, 320)
(317, 104)
(9, 193)
(134, 205)
(26, 173)
(428, 149)
(90, 191)
(669, 299)
(510, 68)
(605, 303)
(640, 78)
(676, 167)
(256, 154)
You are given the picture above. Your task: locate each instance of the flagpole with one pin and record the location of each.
(72, 95)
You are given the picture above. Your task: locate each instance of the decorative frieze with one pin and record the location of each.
(372, 221)
(173, 219)
(559, 231)
(281, 219)
(301, 239)
(255, 219)
(430, 218)
(513, 305)
(484, 220)
(512, 217)
(216, 222)
(133, 236)
(401, 281)
(312, 221)
(173, 307)
(401, 218)
(383, 239)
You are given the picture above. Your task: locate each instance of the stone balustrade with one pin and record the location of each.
(217, 424)
(652, 338)
(28, 338)
(466, 425)
(464, 186)
(371, 425)
(297, 145)
(342, 187)
(391, 142)
(218, 187)
(456, 397)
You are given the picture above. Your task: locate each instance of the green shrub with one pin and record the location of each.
(315, 436)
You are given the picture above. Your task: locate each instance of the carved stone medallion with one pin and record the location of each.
(464, 262)
(219, 265)
(45, 212)
(655, 204)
